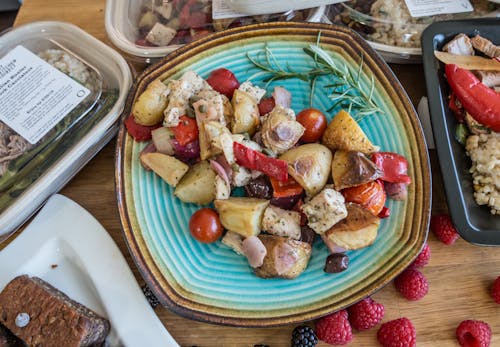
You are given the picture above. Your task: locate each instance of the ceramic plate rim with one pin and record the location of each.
(200, 312)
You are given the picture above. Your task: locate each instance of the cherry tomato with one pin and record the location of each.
(205, 225)
(223, 81)
(315, 123)
(186, 131)
(370, 195)
(394, 167)
(137, 131)
(266, 105)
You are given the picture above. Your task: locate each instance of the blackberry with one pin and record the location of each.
(304, 336)
(153, 301)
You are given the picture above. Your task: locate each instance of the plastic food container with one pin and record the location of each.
(391, 30)
(128, 23)
(61, 94)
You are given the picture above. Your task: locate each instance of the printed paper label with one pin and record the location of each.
(35, 96)
(423, 8)
(221, 10)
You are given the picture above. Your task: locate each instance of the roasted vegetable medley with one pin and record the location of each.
(301, 175)
(472, 70)
(175, 22)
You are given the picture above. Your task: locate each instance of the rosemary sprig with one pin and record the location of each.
(346, 84)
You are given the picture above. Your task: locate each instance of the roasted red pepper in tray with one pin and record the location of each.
(394, 167)
(480, 101)
(255, 160)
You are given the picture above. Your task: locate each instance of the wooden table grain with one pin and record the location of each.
(460, 276)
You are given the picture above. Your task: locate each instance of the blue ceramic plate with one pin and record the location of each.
(209, 281)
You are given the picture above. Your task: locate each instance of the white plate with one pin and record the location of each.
(67, 247)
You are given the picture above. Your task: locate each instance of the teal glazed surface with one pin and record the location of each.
(210, 281)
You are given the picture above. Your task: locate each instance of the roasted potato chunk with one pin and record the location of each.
(344, 133)
(167, 167)
(351, 168)
(241, 215)
(197, 185)
(149, 106)
(285, 257)
(246, 116)
(358, 230)
(309, 165)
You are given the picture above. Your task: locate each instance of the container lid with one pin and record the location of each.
(394, 27)
(154, 28)
(57, 102)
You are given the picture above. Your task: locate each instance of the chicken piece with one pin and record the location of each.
(222, 188)
(459, 45)
(209, 135)
(325, 210)
(281, 222)
(285, 258)
(280, 131)
(214, 104)
(254, 250)
(485, 46)
(234, 241)
(490, 78)
(241, 176)
(474, 126)
(254, 91)
(179, 92)
(160, 35)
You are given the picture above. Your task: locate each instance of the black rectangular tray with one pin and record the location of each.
(473, 222)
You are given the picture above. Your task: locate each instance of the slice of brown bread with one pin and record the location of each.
(55, 320)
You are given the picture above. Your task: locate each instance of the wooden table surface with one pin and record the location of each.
(459, 276)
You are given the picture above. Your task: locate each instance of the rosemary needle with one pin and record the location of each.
(346, 87)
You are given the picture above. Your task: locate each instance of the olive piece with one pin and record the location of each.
(307, 234)
(336, 262)
(259, 188)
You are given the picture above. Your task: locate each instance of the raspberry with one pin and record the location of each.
(443, 228)
(365, 314)
(412, 284)
(423, 258)
(397, 333)
(495, 290)
(473, 333)
(334, 328)
(304, 336)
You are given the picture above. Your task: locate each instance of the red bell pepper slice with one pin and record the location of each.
(480, 101)
(385, 213)
(186, 131)
(394, 167)
(137, 131)
(255, 160)
(285, 189)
